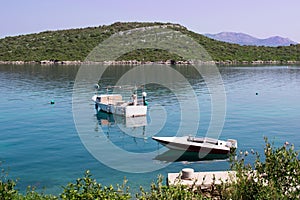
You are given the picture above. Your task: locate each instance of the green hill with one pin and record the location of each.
(76, 44)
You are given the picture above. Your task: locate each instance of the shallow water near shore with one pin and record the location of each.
(39, 143)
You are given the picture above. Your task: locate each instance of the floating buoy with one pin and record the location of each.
(52, 102)
(96, 86)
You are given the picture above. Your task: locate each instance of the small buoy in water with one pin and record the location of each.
(256, 93)
(96, 87)
(52, 102)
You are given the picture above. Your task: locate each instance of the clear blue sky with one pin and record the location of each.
(260, 18)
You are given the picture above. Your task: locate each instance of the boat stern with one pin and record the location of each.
(135, 111)
(232, 144)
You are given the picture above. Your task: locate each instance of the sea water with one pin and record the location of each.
(42, 145)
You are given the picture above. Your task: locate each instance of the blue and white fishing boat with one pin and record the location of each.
(114, 104)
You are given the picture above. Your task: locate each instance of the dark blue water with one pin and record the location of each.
(40, 145)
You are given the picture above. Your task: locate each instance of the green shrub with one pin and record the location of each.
(88, 188)
(7, 186)
(31, 194)
(160, 191)
(277, 177)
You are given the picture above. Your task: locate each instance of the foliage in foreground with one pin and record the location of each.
(8, 191)
(276, 177)
(160, 191)
(88, 188)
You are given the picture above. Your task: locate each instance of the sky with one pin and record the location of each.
(259, 18)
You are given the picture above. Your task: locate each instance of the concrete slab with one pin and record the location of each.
(202, 179)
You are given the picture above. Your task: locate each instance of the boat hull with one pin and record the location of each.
(127, 111)
(179, 156)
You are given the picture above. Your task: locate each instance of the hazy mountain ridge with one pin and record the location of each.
(245, 39)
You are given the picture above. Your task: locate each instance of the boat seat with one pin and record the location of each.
(192, 139)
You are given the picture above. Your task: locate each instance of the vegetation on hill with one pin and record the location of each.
(76, 44)
(277, 177)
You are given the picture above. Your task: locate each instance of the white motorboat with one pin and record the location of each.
(114, 103)
(195, 144)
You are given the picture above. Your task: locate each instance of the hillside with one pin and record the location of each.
(245, 39)
(75, 44)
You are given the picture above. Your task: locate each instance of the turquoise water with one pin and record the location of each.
(39, 143)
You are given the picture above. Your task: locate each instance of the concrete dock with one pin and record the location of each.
(200, 179)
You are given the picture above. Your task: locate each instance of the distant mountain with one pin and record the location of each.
(244, 39)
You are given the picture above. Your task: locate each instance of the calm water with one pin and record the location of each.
(39, 143)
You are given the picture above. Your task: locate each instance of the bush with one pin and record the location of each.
(160, 191)
(7, 186)
(277, 177)
(88, 188)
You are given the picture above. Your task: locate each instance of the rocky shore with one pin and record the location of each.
(124, 62)
(134, 62)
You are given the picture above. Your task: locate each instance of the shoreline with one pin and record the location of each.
(134, 62)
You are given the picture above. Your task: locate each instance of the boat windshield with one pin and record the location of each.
(203, 140)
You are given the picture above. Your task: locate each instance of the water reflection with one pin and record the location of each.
(128, 125)
(106, 119)
(180, 156)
